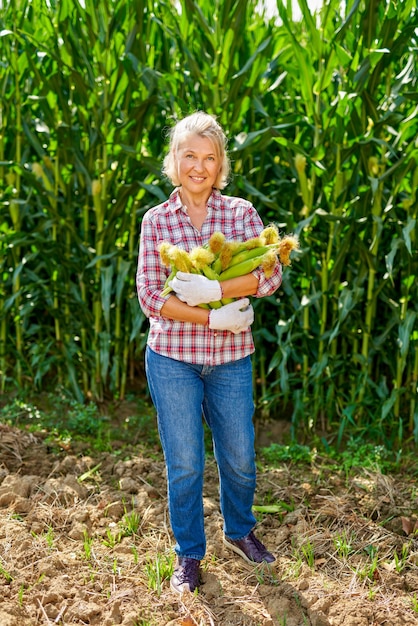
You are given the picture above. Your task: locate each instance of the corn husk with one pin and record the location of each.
(222, 260)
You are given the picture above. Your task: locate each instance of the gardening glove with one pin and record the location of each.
(236, 317)
(195, 289)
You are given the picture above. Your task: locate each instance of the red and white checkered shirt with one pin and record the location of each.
(238, 220)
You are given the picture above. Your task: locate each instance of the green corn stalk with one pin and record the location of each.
(3, 274)
(15, 206)
(112, 79)
(98, 204)
(52, 194)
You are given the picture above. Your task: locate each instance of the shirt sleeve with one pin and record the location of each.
(266, 286)
(151, 273)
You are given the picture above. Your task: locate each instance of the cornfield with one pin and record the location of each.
(322, 119)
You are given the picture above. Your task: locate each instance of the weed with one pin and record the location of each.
(3, 572)
(135, 554)
(401, 560)
(365, 455)
(307, 551)
(159, 570)
(265, 575)
(277, 453)
(87, 546)
(414, 602)
(112, 539)
(49, 537)
(19, 412)
(130, 522)
(20, 594)
(369, 571)
(293, 568)
(343, 543)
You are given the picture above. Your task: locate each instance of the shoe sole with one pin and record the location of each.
(242, 554)
(173, 588)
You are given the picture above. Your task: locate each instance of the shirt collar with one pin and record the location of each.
(175, 203)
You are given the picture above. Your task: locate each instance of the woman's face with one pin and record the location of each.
(198, 164)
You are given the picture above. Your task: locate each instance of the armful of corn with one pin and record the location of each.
(222, 260)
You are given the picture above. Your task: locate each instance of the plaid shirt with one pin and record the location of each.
(238, 220)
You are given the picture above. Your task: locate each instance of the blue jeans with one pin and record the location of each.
(182, 393)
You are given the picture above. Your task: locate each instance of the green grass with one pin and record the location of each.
(67, 421)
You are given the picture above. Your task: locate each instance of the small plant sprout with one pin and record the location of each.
(266, 575)
(158, 570)
(282, 621)
(401, 560)
(372, 592)
(87, 546)
(135, 554)
(307, 551)
(131, 522)
(49, 537)
(112, 539)
(370, 570)
(414, 602)
(3, 572)
(20, 594)
(343, 543)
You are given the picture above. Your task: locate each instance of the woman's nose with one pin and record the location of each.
(198, 165)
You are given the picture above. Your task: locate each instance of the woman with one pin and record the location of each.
(198, 360)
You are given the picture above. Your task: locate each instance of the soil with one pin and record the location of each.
(85, 539)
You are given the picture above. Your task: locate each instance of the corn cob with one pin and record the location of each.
(176, 258)
(244, 255)
(222, 260)
(241, 269)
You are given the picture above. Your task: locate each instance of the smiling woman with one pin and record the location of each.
(204, 353)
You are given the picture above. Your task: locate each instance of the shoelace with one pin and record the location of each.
(190, 571)
(257, 543)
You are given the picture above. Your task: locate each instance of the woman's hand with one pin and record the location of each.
(195, 289)
(235, 317)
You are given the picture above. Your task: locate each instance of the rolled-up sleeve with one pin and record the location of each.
(151, 273)
(266, 286)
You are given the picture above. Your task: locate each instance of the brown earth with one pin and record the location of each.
(86, 540)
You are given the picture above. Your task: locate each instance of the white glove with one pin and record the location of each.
(195, 289)
(236, 317)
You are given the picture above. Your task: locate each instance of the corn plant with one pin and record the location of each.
(322, 123)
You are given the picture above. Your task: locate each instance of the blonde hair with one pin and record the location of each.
(204, 125)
